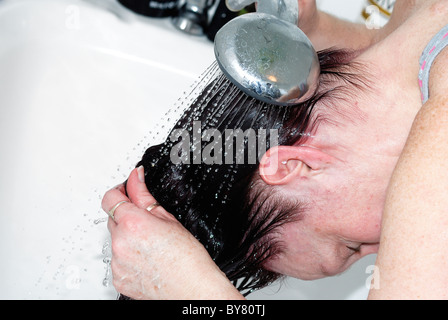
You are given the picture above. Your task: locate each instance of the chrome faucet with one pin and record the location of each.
(192, 17)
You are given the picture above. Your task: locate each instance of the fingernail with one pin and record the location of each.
(141, 173)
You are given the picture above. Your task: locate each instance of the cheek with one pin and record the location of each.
(356, 222)
(351, 210)
(364, 214)
(368, 228)
(299, 255)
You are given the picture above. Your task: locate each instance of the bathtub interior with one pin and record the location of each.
(82, 83)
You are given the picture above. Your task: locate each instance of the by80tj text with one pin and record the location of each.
(230, 309)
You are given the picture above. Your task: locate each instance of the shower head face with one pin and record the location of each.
(269, 59)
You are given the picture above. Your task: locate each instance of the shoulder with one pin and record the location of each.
(429, 134)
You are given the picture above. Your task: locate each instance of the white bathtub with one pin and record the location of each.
(81, 84)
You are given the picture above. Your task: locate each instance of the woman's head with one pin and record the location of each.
(247, 210)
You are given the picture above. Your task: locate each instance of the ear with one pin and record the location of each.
(282, 164)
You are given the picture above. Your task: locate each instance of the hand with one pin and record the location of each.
(308, 14)
(328, 31)
(153, 255)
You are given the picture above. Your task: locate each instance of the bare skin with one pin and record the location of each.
(143, 262)
(347, 167)
(413, 256)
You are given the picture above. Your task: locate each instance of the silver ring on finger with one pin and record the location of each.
(111, 212)
(152, 206)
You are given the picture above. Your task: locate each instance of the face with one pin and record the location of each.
(340, 225)
(329, 238)
(344, 204)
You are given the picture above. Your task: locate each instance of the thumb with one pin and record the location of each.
(140, 196)
(137, 191)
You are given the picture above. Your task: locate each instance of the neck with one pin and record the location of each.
(374, 119)
(386, 108)
(394, 98)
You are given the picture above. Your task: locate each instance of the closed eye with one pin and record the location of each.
(355, 250)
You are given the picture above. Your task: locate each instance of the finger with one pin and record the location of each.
(137, 190)
(117, 191)
(111, 226)
(112, 198)
(121, 187)
(142, 198)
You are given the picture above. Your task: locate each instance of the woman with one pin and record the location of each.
(337, 177)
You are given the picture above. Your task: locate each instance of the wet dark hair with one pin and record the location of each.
(226, 206)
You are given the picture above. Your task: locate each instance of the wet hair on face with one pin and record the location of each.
(225, 204)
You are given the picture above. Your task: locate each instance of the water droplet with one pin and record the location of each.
(106, 282)
(101, 220)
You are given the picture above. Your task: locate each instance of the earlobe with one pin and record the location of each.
(282, 164)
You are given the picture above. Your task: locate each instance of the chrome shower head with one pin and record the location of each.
(267, 57)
